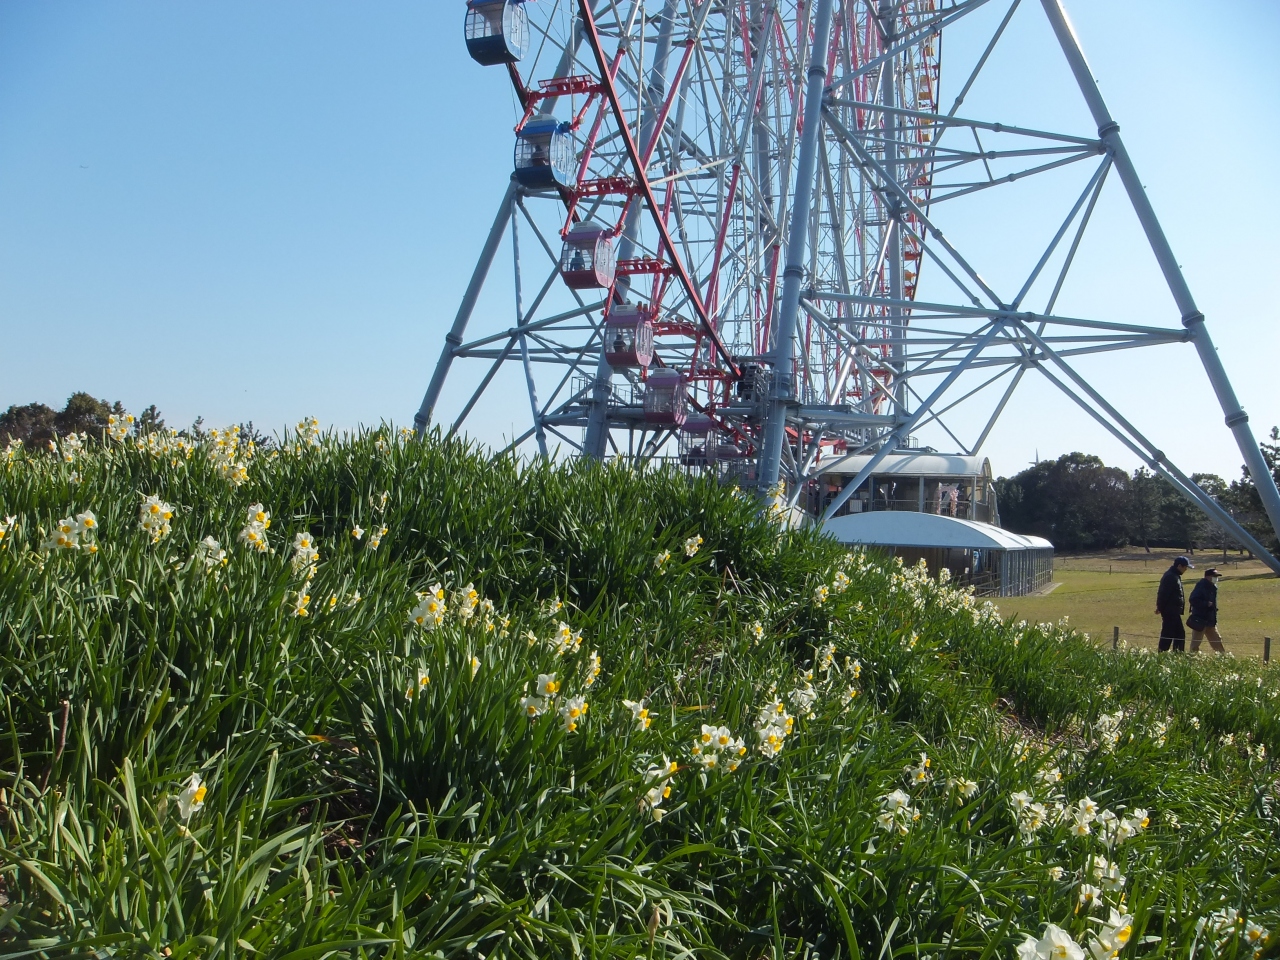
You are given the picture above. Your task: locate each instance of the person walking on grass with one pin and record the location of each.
(1204, 612)
(1170, 605)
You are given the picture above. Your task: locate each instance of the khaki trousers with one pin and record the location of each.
(1211, 633)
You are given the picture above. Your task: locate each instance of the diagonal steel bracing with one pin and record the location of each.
(778, 175)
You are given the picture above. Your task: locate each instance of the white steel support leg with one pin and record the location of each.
(781, 388)
(453, 339)
(1192, 318)
(538, 431)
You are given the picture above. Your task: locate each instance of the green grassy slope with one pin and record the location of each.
(376, 787)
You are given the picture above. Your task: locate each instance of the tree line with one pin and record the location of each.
(1079, 503)
(35, 424)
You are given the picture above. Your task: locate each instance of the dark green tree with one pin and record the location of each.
(84, 414)
(150, 421)
(1212, 535)
(32, 423)
(1180, 522)
(1146, 496)
(1077, 502)
(36, 424)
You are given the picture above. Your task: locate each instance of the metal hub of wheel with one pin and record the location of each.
(721, 212)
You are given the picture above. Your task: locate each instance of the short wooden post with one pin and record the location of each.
(1115, 638)
(1266, 649)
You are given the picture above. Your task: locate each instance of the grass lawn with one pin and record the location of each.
(1101, 591)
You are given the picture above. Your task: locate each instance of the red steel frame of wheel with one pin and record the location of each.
(708, 330)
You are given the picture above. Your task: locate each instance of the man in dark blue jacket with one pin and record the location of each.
(1204, 613)
(1170, 604)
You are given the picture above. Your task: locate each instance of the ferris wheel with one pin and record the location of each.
(721, 213)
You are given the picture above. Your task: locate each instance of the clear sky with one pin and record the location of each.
(259, 211)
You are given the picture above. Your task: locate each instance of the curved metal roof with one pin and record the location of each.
(902, 528)
(914, 465)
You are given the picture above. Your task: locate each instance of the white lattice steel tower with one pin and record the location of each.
(721, 211)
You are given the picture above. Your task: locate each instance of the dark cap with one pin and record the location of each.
(1183, 561)
(1212, 572)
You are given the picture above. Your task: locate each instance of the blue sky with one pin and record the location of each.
(263, 211)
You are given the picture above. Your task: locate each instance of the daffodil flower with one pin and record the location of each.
(254, 532)
(211, 553)
(571, 711)
(639, 713)
(593, 668)
(1050, 777)
(1090, 896)
(305, 554)
(658, 776)
(1108, 874)
(191, 799)
(920, 772)
(154, 517)
(547, 685)
(424, 679)
(771, 740)
(1113, 936)
(465, 601)
(430, 611)
(1056, 944)
(66, 536)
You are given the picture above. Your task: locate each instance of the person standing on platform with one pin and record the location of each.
(1170, 605)
(1204, 612)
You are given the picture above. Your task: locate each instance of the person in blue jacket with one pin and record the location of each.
(1170, 605)
(1204, 612)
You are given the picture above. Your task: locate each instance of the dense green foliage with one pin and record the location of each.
(374, 786)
